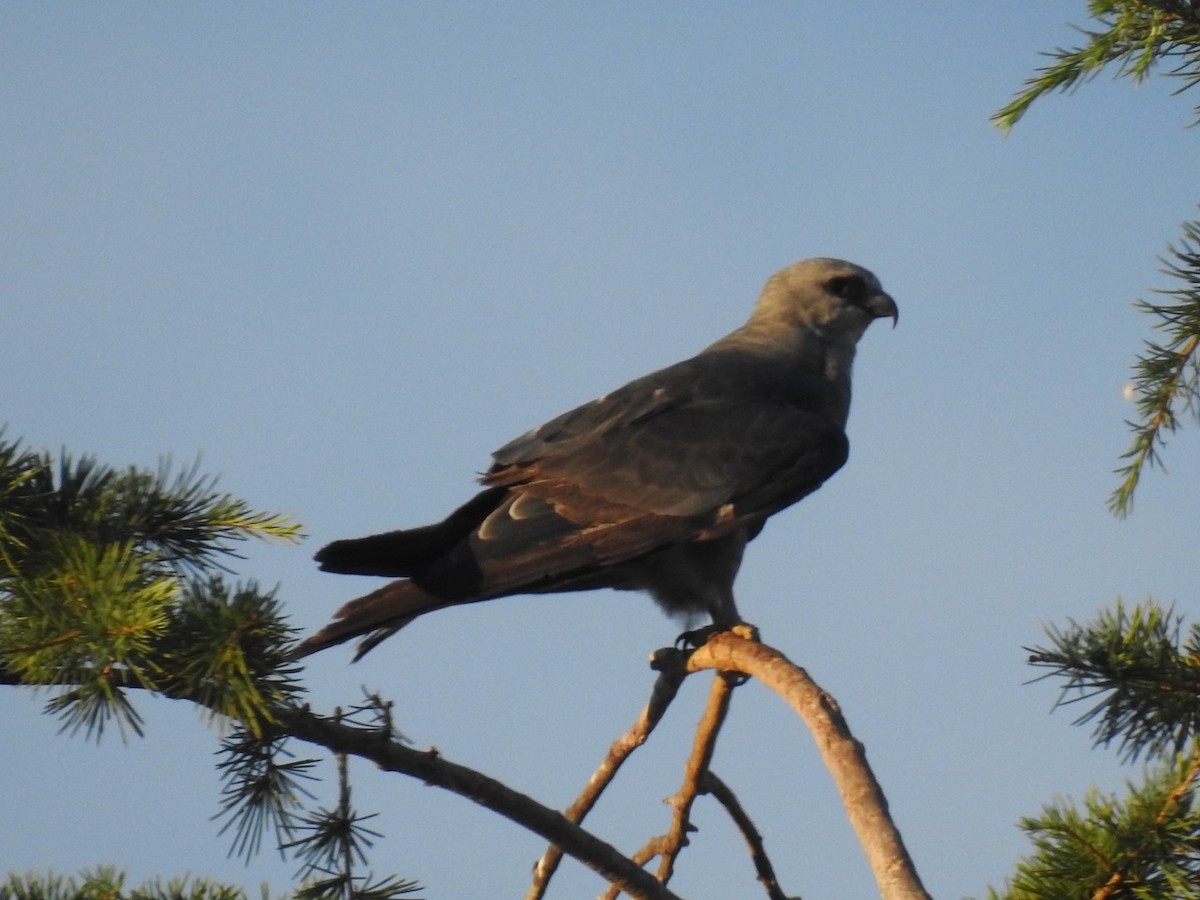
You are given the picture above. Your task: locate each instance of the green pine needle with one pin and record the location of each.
(1138, 670)
(1134, 35)
(110, 580)
(1166, 376)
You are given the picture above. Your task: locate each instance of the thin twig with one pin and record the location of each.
(722, 793)
(344, 811)
(668, 846)
(672, 672)
(693, 773)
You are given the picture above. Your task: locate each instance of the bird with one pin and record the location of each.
(657, 486)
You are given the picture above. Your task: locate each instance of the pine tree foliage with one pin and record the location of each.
(1166, 376)
(1136, 670)
(113, 584)
(1140, 669)
(114, 580)
(1140, 674)
(1134, 36)
(1146, 844)
(107, 883)
(262, 790)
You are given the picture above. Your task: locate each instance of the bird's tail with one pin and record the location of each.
(378, 615)
(403, 553)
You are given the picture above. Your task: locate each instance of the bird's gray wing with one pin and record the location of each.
(685, 441)
(690, 473)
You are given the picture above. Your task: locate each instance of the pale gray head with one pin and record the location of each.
(831, 296)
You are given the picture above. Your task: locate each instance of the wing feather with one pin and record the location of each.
(687, 439)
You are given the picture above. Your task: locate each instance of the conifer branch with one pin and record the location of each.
(1139, 670)
(334, 844)
(110, 579)
(1166, 378)
(1145, 845)
(1134, 35)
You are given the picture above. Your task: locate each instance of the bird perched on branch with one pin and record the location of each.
(657, 486)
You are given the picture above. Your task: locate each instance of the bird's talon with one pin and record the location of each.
(697, 637)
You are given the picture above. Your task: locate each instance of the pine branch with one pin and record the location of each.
(1139, 670)
(190, 524)
(181, 521)
(262, 790)
(261, 786)
(1141, 674)
(228, 649)
(1135, 35)
(108, 883)
(1145, 845)
(223, 648)
(109, 578)
(1166, 378)
(334, 842)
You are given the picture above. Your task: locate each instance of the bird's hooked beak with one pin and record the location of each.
(881, 305)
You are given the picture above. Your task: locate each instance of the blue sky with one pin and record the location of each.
(341, 252)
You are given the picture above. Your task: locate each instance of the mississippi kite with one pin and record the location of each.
(657, 486)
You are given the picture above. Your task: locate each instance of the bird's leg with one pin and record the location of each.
(724, 612)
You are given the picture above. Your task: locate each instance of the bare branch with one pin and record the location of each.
(430, 767)
(758, 853)
(671, 675)
(668, 846)
(693, 773)
(845, 758)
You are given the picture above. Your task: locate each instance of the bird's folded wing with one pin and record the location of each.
(685, 461)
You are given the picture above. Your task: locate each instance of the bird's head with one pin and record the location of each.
(831, 296)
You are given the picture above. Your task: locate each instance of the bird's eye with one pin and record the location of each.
(848, 287)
